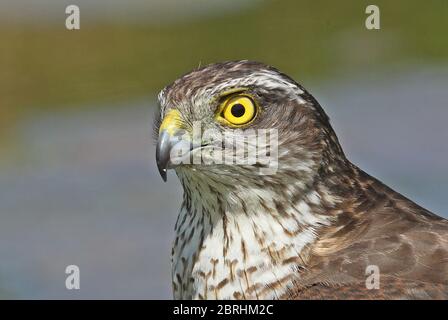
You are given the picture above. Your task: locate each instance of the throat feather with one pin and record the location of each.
(227, 248)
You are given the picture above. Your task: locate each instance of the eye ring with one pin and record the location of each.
(238, 110)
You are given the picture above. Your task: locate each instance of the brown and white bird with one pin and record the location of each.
(317, 227)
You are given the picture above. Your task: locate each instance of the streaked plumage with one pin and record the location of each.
(310, 230)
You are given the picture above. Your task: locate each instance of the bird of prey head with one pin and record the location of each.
(241, 102)
(284, 218)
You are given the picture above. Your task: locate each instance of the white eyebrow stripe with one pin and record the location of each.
(267, 79)
(264, 79)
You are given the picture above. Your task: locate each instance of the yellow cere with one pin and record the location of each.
(239, 110)
(171, 122)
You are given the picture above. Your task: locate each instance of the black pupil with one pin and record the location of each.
(237, 110)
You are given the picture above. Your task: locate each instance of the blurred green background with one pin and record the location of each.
(120, 54)
(76, 160)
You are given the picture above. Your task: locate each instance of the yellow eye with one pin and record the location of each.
(239, 110)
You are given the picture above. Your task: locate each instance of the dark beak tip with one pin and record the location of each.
(164, 145)
(162, 172)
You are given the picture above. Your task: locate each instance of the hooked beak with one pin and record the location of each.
(170, 138)
(163, 153)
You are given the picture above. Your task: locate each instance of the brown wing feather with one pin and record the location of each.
(379, 227)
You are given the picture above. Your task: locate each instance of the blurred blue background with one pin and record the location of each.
(78, 181)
